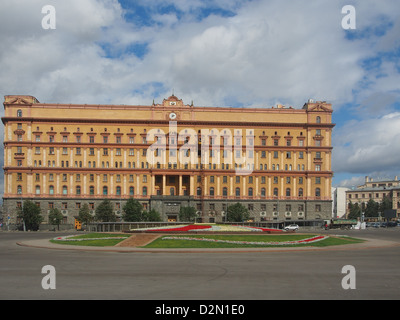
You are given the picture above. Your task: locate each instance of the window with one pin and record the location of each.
(51, 190)
(300, 192)
(317, 192)
(37, 190)
(225, 192)
(250, 192)
(131, 191)
(212, 191)
(198, 191)
(105, 190)
(287, 192)
(19, 113)
(318, 119)
(64, 190)
(118, 191)
(275, 192)
(91, 190)
(144, 191)
(237, 192)
(263, 192)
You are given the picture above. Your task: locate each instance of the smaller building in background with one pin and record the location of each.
(339, 203)
(377, 191)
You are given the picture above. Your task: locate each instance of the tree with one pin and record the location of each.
(237, 213)
(385, 204)
(187, 214)
(30, 213)
(372, 208)
(132, 210)
(55, 217)
(151, 215)
(355, 211)
(104, 212)
(84, 215)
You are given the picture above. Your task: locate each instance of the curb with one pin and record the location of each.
(368, 244)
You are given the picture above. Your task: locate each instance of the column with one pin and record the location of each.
(164, 184)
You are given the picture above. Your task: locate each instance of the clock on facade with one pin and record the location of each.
(172, 115)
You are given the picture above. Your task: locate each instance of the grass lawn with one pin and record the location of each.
(93, 239)
(173, 243)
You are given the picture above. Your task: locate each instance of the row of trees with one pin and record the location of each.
(235, 213)
(372, 209)
(30, 213)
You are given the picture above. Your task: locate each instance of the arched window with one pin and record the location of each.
(19, 189)
(144, 191)
(262, 192)
(131, 191)
(118, 191)
(318, 119)
(91, 190)
(212, 191)
(198, 191)
(276, 192)
(37, 190)
(300, 192)
(78, 190)
(317, 192)
(250, 192)
(225, 191)
(105, 190)
(237, 192)
(19, 113)
(65, 190)
(287, 192)
(51, 190)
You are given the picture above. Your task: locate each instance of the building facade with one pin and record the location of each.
(377, 191)
(339, 204)
(275, 161)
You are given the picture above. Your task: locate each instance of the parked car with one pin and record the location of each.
(291, 227)
(375, 225)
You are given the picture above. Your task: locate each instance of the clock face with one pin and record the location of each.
(172, 115)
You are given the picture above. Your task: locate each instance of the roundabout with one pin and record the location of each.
(280, 272)
(205, 238)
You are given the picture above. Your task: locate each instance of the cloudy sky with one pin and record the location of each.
(233, 53)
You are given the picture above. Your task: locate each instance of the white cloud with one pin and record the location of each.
(368, 145)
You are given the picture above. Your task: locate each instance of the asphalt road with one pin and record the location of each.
(305, 275)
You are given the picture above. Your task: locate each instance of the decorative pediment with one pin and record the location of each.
(319, 106)
(20, 100)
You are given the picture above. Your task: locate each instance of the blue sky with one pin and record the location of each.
(220, 53)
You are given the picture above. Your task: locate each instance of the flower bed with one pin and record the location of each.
(262, 243)
(207, 228)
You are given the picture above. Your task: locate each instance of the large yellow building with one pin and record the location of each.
(275, 161)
